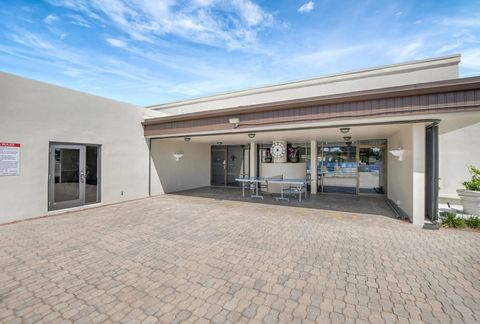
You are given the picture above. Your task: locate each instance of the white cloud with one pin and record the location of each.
(116, 42)
(307, 7)
(463, 22)
(471, 59)
(406, 51)
(231, 24)
(51, 19)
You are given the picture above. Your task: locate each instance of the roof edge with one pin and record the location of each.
(381, 93)
(351, 74)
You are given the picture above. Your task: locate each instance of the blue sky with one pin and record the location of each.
(149, 52)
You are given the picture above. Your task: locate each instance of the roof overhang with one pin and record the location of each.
(423, 98)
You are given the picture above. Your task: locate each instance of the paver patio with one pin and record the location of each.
(178, 258)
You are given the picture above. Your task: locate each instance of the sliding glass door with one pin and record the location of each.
(352, 169)
(371, 169)
(73, 175)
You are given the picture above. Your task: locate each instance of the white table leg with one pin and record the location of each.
(256, 195)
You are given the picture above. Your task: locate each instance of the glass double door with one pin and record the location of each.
(73, 176)
(228, 163)
(351, 169)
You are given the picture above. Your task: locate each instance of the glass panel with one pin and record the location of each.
(337, 169)
(265, 153)
(67, 174)
(219, 165)
(235, 164)
(371, 170)
(91, 174)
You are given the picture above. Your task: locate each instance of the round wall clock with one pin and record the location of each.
(278, 150)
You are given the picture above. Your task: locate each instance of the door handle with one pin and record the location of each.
(82, 176)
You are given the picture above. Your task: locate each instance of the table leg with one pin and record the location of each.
(257, 195)
(243, 189)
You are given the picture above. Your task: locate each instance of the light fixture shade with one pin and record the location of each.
(345, 130)
(347, 138)
(398, 153)
(234, 121)
(251, 135)
(178, 155)
(187, 139)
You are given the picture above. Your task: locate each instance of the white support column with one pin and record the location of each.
(418, 166)
(253, 159)
(313, 166)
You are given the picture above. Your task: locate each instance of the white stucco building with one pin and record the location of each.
(398, 132)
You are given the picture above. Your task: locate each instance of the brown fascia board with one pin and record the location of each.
(383, 93)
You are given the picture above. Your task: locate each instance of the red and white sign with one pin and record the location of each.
(9, 159)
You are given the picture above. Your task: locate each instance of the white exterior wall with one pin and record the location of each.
(169, 175)
(35, 114)
(388, 76)
(406, 179)
(459, 146)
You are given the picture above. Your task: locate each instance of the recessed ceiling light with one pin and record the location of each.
(345, 130)
(251, 135)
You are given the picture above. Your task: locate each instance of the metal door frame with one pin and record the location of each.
(431, 171)
(52, 205)
(218, 148)
(225, 166)
(357, 158)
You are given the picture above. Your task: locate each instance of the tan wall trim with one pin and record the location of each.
(440, 102)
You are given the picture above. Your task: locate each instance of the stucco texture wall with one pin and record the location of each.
(406, 178)
(35, 114)
(169, 175)
(459, 146)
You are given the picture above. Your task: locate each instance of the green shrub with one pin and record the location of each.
(473, 222)
(474, 183)
(451, 220)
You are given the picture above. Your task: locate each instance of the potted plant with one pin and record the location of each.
(470, 196)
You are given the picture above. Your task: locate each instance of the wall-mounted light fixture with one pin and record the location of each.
(398, 153)
(251, 135)
(186, 139)
(178, 155)
(348, 143)
(219, 143)
(345, 130)
(234, 121)
(347, 138)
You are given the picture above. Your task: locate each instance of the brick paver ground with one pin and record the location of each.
(197, 260)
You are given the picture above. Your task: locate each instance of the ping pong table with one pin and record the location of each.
(297, 184)
(255, 181)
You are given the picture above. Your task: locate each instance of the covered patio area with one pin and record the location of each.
(367, 205)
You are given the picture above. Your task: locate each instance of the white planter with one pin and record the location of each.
(470, 201)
